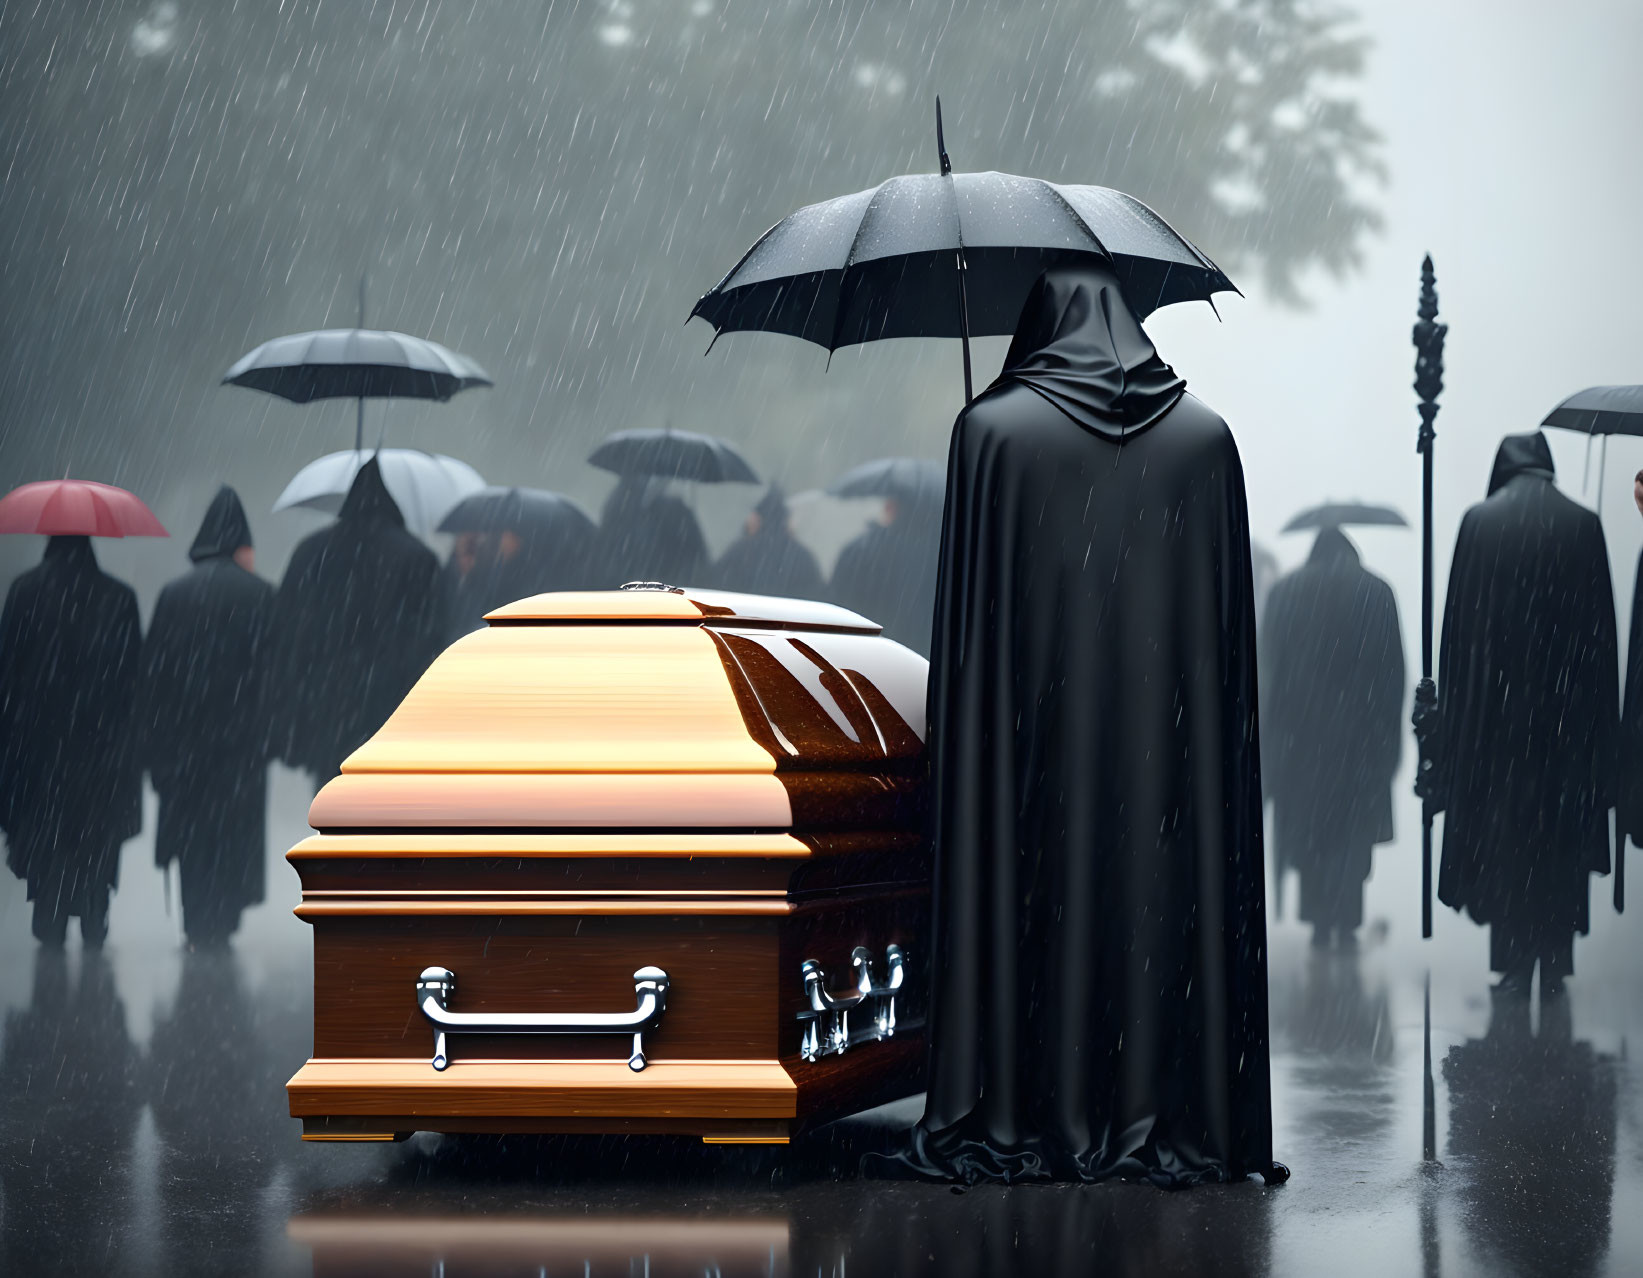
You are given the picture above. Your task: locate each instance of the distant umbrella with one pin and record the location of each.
(1601, 410)
(495, 509)
(673, 454)
(946, 255)
(909, 479)
(77, 508)
(425, 486)
(1345, 514)
(358, 364)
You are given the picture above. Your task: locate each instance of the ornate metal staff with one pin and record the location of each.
(1428, 338)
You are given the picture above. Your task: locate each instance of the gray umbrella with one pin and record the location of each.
(946, 255)
(1341, 514)
(358, 364)
(1600, 410)
(496, 509)
(910, 479)
(673, 454)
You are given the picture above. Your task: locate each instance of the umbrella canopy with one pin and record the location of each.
(909, 479)
(673, 454)
(423, 485)
(1601, 410)
(495, 509)
(1344, 514)
(947, 255)
(355, 363)
(77, 508)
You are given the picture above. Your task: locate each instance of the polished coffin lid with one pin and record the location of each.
(649, 709)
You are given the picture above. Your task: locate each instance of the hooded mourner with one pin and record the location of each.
(356, 622)
(1098, 988)
(204, 734)
(888, 573)
(648, 534)
(767, 559)
(1332, 693)
(1527, 685)
(70, 785)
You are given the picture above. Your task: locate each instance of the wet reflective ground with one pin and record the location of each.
(143, 1131)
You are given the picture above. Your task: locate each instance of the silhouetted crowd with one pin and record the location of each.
(234, 674)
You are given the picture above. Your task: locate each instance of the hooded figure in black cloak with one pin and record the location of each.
(888, 573)
(1332, 692)
(1098, 992)
(356, 622)
(203, 727)
(648, 534)
(70, 784)
(767, 559)
(1527, 726)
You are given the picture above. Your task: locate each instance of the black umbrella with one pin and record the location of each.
(496, 509)
(358, 364)
(673, 454)
(1601, 410)
(946, 255)
(1342, 514)
(910, 479)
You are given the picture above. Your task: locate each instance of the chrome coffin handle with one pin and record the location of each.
(433, 995)
(829, 1013)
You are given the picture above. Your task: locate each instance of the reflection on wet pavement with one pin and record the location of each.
(153, 1139)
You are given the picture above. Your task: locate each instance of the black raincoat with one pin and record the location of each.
(1528, 728)
(203, 725)
(648, 534)
(770, 560)
(1098, 994)
(356, 622)
(70, 783)
(1332, 693)
(888, 574)
(1629, 791)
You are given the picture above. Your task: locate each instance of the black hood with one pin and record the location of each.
(1332, 546)
(71, 552)
(772, 508)
(223, 530)
(1079, 345)
(369, 500)
(1521, 455)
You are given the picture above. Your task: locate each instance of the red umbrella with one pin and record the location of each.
(77, 508)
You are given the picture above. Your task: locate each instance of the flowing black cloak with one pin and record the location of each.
(203, 728)
(356, 622)
(770, 560)
(646, 534)
(1332, 693)
(70, 784)
(1527, 683)
(1098, 975)
(888, 574)
(1629, 791)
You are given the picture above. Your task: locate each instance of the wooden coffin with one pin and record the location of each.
(626, 861)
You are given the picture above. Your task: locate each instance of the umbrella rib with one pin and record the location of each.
(849, 265)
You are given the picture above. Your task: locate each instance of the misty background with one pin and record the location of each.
(548, 187)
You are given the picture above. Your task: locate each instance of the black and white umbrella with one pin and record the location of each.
(673, 454)
(355, 363)
(947, 255)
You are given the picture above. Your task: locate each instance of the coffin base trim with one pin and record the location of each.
(346, 1088)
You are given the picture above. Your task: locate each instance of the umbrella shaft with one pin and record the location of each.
(964, 326)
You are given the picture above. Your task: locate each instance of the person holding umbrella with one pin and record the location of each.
(356, 622)
(70, 640)
(767, 559)
(1332, 698)
(202, 724)
(1526, 728)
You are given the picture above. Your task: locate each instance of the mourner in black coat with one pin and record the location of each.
(70, 783)
(1098, 971)
(648, 534)
(204, 728)
(767, 559)
(356, 622)
(1527, 685)
(888, 573)
(1332, 693)
(1629, 784)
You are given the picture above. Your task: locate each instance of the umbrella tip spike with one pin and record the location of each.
(941, 141)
